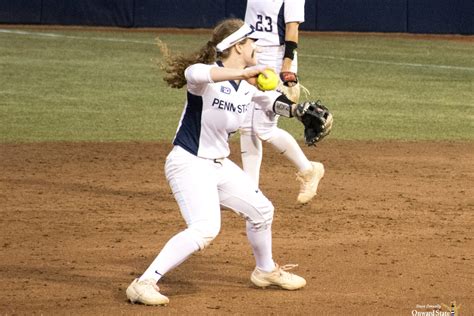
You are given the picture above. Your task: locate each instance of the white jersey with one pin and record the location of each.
(270, 16)
(214, 111)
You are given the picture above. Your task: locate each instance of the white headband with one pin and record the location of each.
(245, 31)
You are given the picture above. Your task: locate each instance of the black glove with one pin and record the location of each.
(317, 121)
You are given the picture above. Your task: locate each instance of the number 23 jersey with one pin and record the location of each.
(270, 16)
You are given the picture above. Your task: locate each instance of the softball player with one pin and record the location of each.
(202, 178)
(279, 20)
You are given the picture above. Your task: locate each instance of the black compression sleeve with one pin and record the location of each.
(290, 48)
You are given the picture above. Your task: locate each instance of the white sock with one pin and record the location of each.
(287, 145)
(176, 250)
(261, 242)
(251, 151)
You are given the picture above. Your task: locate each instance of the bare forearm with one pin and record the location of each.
(224, 74)
(292, 35)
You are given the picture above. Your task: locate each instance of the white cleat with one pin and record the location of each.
(278, 277)
(146, 292)
(309, 182)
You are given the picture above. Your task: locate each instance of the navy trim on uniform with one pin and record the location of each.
(232, 82)
(189, 131)
(281, 26)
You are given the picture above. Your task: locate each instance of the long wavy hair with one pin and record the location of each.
(174, 65)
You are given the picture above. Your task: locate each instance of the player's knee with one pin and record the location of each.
(266, 133)
(269, 133)
(246, 130)
(204, 233)
(265, 219)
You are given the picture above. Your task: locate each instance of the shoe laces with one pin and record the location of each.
(289, 266)
(283, 269)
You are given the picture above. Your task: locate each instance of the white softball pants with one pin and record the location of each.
(201, 186)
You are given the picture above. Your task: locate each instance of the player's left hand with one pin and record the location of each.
(317, 121)
(289, 78)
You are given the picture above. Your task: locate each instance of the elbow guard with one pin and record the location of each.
(282, 106)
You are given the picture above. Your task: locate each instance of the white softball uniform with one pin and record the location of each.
(200, 175)
(270, 17)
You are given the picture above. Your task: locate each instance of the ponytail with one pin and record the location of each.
(175, 65)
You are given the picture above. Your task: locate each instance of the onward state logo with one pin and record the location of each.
(437, 310)
(434, 312)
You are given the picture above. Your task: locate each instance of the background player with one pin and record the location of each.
(279, 20)
(199, 174)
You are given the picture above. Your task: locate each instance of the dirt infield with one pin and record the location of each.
(391, 231)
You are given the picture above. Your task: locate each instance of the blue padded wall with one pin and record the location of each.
(309, 16)
(179, 13)
(88, 12)
(20, 11)
(441, 16)
(362, 15)
(413, 16)
(235, 8)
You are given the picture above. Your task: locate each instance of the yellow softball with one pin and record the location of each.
(267, 83)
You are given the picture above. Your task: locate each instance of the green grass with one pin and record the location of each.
(105, 86)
